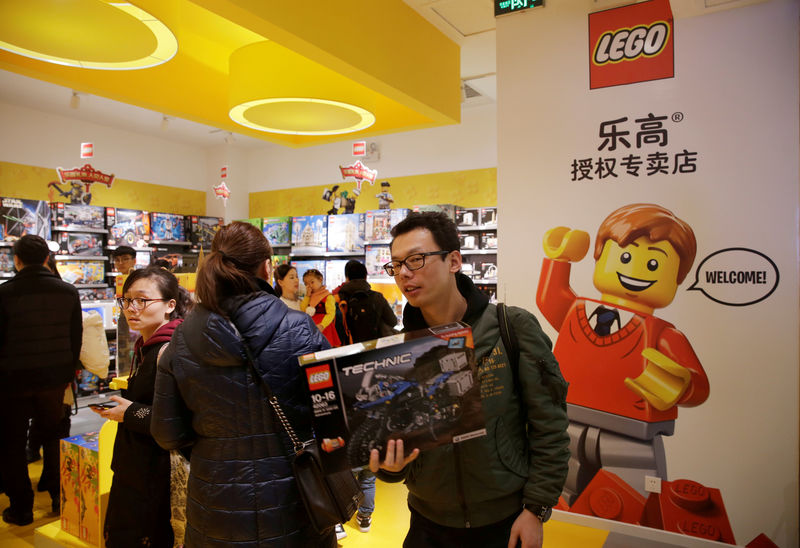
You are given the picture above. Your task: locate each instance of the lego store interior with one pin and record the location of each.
(324, 125)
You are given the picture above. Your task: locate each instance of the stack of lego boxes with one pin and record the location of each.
(80, 488)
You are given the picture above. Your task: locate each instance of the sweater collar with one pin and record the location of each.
(476, 303)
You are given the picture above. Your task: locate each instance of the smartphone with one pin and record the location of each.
(102, 405)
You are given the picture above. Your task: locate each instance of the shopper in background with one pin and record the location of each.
(139, 502)
(124, 258)
(94, 359)
(320, 305)
(287, 285)
(495, 490)
(40, 343)
(241, 488)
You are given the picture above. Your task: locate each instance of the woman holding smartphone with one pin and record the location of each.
(241, 488)
(139, 502)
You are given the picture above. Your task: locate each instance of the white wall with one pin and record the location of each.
(42, 139)
(736, 82)
(469, 145)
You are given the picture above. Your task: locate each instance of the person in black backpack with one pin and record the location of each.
(367, 316)
(367, 313)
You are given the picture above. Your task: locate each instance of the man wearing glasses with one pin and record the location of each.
(124, 258)
(40, 344)
(496, 490)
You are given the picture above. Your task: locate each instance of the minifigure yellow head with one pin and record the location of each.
(642, 253)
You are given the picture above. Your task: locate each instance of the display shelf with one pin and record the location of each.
(73, 229)
(90, 286)
(329, 254)
(6, 244)
(492, 281)
(170, 242)
(7, 275)
(82, 257)
(479, 252)
(476, 228)
(134, 248)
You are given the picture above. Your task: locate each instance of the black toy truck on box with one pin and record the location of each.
(419, 387)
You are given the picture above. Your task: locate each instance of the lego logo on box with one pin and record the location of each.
(319, 377)
(631, 44)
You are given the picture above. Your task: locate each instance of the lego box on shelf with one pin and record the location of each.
(202, 230)
(82, 272)
(167, 227)
(468, 240)
(488, 217)
(278, 231)
(467, 217)
(378, 224)
(77, 216)
(489, 240)
(79, 243)
(375, 256)
(127, 227)
(19, 217)
(6, 260)
(346, 233)
(447, 209)
(420, 387)
(310, 234)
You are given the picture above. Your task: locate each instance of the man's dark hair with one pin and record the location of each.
(355, 270)
(124, 250)
(31, 250)
(443, 229)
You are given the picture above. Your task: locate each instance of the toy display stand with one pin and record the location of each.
(51, 534)
(614, 533)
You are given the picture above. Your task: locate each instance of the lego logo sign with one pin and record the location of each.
(87, 150)
(631, 44)
(319, 377)
(360, 148)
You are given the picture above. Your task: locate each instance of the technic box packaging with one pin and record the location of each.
(77, 216)
(201, 230)
(127, 226)
(167, 227)
(79, 243)
(419, 386)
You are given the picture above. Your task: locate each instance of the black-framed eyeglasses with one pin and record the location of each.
(415, 261)
(137, 303)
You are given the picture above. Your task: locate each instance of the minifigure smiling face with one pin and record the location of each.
(642, 276)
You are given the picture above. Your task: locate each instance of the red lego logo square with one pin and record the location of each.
(631, 44)
(319, 377)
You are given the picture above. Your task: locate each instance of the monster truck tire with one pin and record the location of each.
(363, 441)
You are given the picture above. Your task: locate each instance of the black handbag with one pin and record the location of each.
(329, 498)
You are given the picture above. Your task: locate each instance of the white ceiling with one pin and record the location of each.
(470, 23)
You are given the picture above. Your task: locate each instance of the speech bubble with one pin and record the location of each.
(736, 276)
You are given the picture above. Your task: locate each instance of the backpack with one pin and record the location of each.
(360, 317)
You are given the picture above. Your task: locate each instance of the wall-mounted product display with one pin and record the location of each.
(87, 244)
(19, 217)
(82, 273)
(80, 217)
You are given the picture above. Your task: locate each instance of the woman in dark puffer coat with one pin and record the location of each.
(241, 489)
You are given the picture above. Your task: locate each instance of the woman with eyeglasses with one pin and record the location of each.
(139, 502)
(241, 488)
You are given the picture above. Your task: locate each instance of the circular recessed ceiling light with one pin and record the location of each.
(86, 34)
(301, 116)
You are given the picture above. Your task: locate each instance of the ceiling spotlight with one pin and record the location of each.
(229, 138)
(164, 122)
(75, 100)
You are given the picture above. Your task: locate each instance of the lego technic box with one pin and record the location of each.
(202, 230)
(167, 227)
(127, 227)
(77, 216)
(420, 387)
(78, 243)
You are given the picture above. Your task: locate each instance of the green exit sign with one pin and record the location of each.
(501, 7)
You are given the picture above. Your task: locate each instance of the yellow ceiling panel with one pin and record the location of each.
(381, 57)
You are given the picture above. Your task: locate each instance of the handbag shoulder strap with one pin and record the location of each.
(298, 445)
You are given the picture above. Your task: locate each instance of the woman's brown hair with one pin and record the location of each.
(238, 250)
